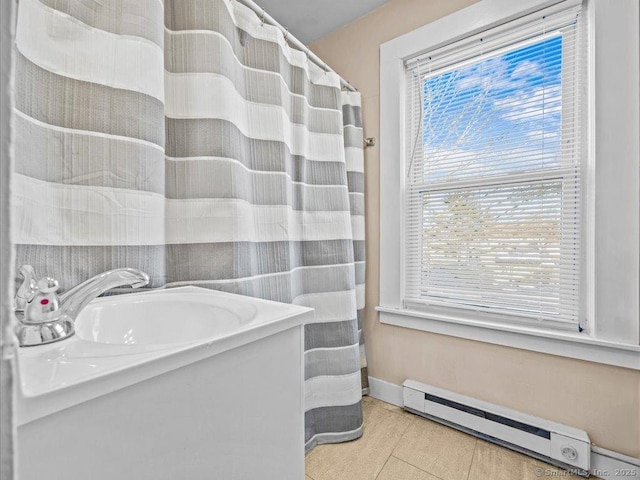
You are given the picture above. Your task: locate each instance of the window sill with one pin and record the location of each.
(564, 344)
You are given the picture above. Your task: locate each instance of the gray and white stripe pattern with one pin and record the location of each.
(89, 137)
(354, 156)
(187, 139)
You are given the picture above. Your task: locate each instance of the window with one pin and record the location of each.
(509, 191)
(494, 155)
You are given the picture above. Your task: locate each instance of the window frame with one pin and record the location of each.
(565, 174)
(610, 231)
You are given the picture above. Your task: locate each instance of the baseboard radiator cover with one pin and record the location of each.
(554, 443)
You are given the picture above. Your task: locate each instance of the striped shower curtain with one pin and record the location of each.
(187, 139)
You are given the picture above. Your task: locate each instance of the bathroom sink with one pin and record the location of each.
(121, 339)
(209, 375)
(160, 320)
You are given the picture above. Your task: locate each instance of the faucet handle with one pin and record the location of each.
(47, 285)
(45, 305)
(43, 320)
(27, 289)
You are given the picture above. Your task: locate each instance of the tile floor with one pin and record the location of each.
(397, 445)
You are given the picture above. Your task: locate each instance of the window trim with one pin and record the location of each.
(518, 34)
(612, 295)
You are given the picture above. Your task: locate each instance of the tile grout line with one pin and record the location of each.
(305, 471)
(417, 418)
(416, 467)
(410, 421)
(473, 457)
(391, 453)
(382, 469)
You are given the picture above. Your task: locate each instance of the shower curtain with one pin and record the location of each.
(187, 139)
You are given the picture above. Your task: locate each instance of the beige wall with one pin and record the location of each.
(602, 400)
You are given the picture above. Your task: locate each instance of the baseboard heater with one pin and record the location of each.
(548, 441)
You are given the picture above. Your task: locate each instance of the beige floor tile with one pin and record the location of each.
(491, 462)
(396, 469)
(391, 408)
(368, 404)
(367, 400)
(496, 463)
(550, 471)
(387, 406)
(421, 446)
(439, 450)
(364, 458)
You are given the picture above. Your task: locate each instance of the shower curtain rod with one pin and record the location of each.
(265, 17)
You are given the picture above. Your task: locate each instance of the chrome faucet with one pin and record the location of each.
(45, 317)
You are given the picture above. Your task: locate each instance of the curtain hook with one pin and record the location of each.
(286, 35)
(262, 18)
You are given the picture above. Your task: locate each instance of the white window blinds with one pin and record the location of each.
(493, 187)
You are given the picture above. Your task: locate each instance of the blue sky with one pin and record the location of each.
(489, 111)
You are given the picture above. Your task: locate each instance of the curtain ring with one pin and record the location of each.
(286, 35)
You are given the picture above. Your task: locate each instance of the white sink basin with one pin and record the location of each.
(123, 339)
(160, 320)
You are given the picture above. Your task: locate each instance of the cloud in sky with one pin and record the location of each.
(526, 69)
(530, 104)
(496, 115)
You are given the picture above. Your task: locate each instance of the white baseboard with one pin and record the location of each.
(385, 391)
(608, 464)
(604, 463)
